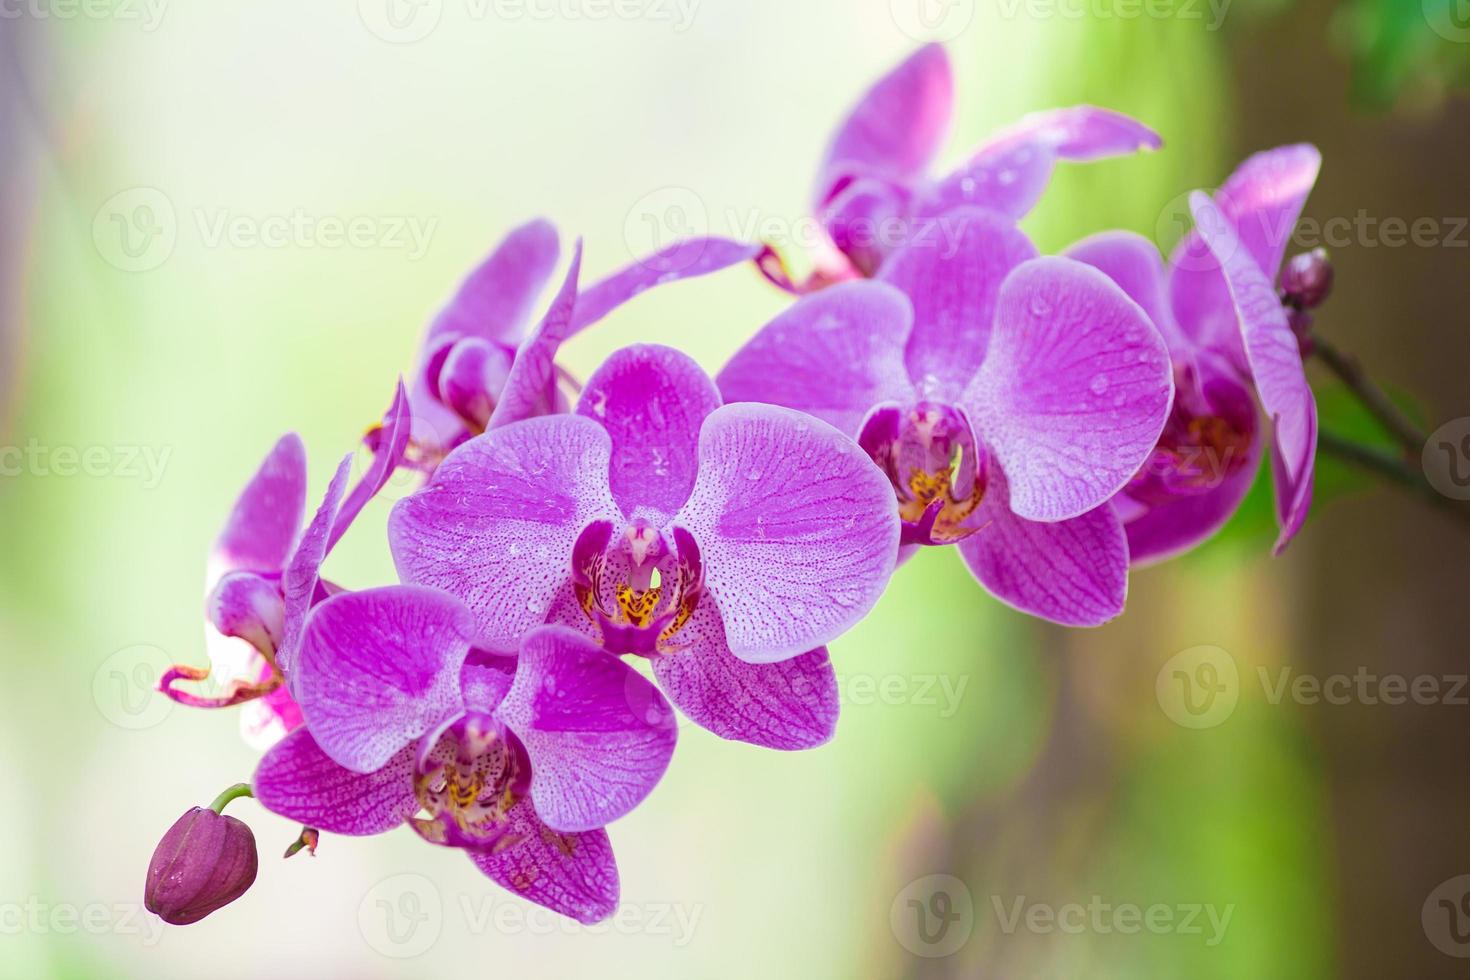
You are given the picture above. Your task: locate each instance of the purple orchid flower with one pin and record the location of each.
(1007, 397)
(726, 543)
(1228, 335)
(873, 187)
(468, 354)
(520, 762)
(262, 578)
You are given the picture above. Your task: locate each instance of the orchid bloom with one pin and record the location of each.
(1007, 397)
(873, 186)
(726, 543)
(520, 762)
(263, 577)
(1229, 335)
(470, 348)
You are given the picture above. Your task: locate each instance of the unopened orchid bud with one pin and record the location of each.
(1307, 279)
(205, 861)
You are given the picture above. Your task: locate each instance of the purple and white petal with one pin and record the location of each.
(897, 127)
(1276, 367)
(833, 354)
(796, 527)
(599, 735)
(531, 388)
(299, 581)
(263, 524)
(495, 300)
(685, 259)
(1073, 572)
(298, 781)
(1134, 263)
(1074, 391)
(788, 705)
(378, 669)
(496, 524)
(652, 401)
(573, 874)
(387, 457)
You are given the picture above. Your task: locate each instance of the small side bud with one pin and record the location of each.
(205, 861)
(307, 841)
(1307, 279)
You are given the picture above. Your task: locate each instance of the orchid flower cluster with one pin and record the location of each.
(1054, 419)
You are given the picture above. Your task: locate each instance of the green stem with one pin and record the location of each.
(1390, 466)
(233, 793)
(1374, 399)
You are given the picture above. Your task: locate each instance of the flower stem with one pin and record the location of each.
(233, 793)
(1389, 466)
(1346, 367)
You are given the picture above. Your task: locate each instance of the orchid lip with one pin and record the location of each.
(469, 775)
(632, 609)
(936, 465)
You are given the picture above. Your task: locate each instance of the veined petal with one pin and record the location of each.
(651, 400)
(1083, 133)
(1074, 391)
(786, 705)
(1073, 572)
(952, 272)
(573, 874)
(598, 734)
(1165, 530)
(496, 524)
(1134, 263)
(685, 259)
(531, 387)
(495, 300)
(389, 455)
(299, 582)
(263, 524)
(897, 127)
(297, 780)
(1276, 366)
(796, 528)
(378, 669)
(833, 354)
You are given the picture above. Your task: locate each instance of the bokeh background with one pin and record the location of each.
(1026, 766)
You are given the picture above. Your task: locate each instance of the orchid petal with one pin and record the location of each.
(652, 401)
(1073, 572)
(496, 524)
(300, 782)
(1276, 366)
(1135, 265)
(263, 524)
(796, 527)
(378, 669)
(389, 455)
(1074, 391)
(833, 354)
(299, 581)
(531, 388)
(572, 874)
(952, 273)
(598, 734)
(897, 127)
(496, 299)
(787, 705)
(685, 259)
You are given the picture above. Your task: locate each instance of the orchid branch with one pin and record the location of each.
(1390, 466)
(1374, 399)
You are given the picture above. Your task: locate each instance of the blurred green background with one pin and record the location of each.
(1030, 765)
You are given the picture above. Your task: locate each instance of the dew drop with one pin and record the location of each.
(1099, 384)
